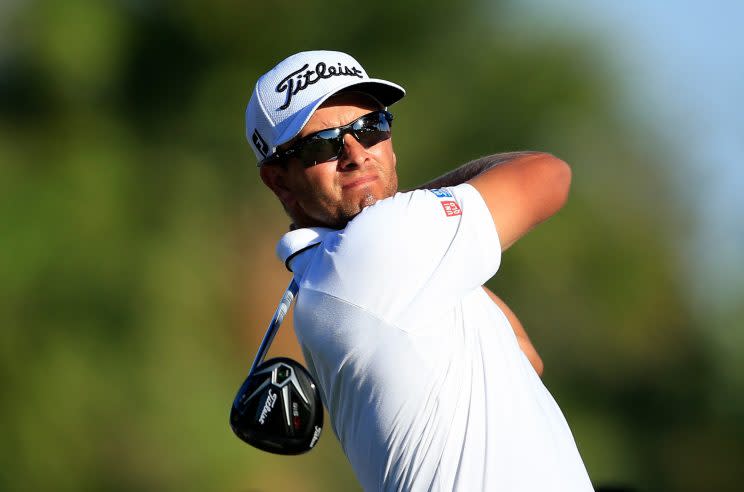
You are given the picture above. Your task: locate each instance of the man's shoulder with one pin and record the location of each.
(403, 206)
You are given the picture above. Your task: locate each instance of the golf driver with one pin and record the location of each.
(278, 407)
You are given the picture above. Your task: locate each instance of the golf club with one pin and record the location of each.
(283, 384)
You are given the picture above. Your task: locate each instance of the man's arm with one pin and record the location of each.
(524, 341)
(471, 169)
(522, 192)
(521, 189)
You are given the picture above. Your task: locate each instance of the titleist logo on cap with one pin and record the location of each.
(298, 81)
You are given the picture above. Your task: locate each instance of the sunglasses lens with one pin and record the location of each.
(369, 138)
(322, 148)
(372, 129)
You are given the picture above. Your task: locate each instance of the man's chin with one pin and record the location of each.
(371, 194)
(348, 213)
(351, 208)
(367, 200)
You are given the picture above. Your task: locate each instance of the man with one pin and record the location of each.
(429, 379)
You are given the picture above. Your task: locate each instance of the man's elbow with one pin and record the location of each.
(539, 366)
(556, 177)
(529, 351)
(563, 180)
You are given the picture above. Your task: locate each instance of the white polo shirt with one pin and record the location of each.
(423, 378)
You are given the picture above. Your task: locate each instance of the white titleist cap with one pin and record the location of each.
(286, 96)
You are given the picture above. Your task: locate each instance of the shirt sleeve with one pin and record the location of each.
(413, 252)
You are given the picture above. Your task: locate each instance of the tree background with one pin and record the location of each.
(137, 266)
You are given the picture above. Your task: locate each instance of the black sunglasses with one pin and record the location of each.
(326, 145)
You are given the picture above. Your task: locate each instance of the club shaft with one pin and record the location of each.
(276, 321)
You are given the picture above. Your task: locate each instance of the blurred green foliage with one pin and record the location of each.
(137, 267)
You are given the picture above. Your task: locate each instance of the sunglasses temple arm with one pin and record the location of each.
(281, 311)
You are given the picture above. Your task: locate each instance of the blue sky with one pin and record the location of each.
(682, 65)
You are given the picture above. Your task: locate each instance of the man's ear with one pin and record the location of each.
(275, 178)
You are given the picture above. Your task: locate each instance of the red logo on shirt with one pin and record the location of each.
(451, 208)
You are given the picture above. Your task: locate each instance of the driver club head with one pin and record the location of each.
(278, 408)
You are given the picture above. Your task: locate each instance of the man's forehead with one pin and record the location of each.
(353, 97)
(339, 110)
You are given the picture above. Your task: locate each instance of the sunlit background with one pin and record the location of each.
(137, 271)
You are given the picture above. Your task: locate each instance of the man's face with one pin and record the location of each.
(332, 193)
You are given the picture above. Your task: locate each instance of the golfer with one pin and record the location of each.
(429, 379)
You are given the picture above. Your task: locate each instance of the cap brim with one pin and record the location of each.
(382, 90)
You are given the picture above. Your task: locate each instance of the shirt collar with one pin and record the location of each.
(295, 242)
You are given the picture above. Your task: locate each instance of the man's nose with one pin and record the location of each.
(353, 154)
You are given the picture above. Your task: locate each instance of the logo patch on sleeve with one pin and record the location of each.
(441, 193)
(451, 208)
